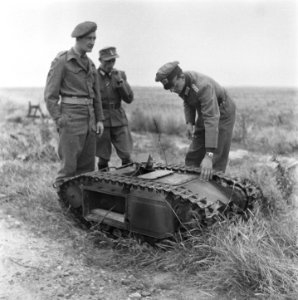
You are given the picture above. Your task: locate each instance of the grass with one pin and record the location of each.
(266, 117)
(253, 259)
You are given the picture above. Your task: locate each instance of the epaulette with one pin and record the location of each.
(102, 72)
(195, 88)
(61, 53)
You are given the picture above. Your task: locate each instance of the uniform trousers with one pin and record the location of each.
(197, 149)
(77, 141)
(120, 138)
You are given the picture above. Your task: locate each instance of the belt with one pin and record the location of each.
(77, 100)
(111, 105)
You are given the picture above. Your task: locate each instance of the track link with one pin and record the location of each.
(187, 207)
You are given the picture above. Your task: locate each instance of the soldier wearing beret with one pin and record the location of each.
(113, 88)
(73, 100)
(209, 114)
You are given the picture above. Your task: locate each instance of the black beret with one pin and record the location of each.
(84, 29)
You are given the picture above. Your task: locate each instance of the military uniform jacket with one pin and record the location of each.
(112, 93)
(205, 98)
(70, 76)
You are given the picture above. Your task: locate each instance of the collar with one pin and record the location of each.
(72, 53)
(104, 73)
(186, 89)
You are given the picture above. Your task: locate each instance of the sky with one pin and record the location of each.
(238, 43)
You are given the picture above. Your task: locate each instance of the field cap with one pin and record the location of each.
(167, 72)
(84, 29)
(108, 53)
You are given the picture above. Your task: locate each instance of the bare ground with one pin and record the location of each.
(37, 267)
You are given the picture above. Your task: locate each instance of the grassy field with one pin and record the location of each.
(266, 117)
(246, 260)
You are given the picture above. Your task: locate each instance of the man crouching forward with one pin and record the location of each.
(209, 114)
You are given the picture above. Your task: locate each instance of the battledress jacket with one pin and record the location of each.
(70, 77)
(112, 94)
(205, 98)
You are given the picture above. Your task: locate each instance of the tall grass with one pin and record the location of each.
(257, 258)
(265, 116)
(254, 258)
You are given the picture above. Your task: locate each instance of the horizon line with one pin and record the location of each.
(152, 86)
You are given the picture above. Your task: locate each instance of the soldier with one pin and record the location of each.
(72, 80)
(113, 88)
(211, 132)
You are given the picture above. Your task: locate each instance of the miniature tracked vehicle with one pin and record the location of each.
(154, 200)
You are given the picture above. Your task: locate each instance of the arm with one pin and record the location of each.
(97, 99)
(122, 86)
(189, 113)
(52, 88)
(190, 118)
(210, 115)
(97, 104)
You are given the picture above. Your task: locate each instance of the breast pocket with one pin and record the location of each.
(74, 69)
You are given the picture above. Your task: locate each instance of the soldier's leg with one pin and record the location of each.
(104, 148)
(86, 159)
(220, 159)
(69, 149)
(122, 141)
(196, 150)
(221, 155)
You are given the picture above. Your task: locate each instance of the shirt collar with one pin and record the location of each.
(73, 54)
(104, 73)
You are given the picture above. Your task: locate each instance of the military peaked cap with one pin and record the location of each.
(108, 53)
(84, 29)
(167, 72)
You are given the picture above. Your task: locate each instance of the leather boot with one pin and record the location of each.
(103, 165)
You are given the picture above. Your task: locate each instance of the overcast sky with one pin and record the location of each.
(235, 42)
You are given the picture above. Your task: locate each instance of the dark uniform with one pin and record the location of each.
(210, 109)
(73, 80)
(215, 120)
(116, 130)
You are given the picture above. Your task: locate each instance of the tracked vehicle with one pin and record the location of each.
(154, 200)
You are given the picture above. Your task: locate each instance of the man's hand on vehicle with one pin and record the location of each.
(206, 168)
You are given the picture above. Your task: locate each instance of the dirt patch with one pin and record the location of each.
(36, 267)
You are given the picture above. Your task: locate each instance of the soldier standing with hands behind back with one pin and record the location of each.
(211, 132)
(113, 88)
(72, 80)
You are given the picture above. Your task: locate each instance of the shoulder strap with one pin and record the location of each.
(195, 88)
(61, 54)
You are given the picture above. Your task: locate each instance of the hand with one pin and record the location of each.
(62, 121)
(99, 128)
(206, 168)
(189, 131)
(117, 77)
